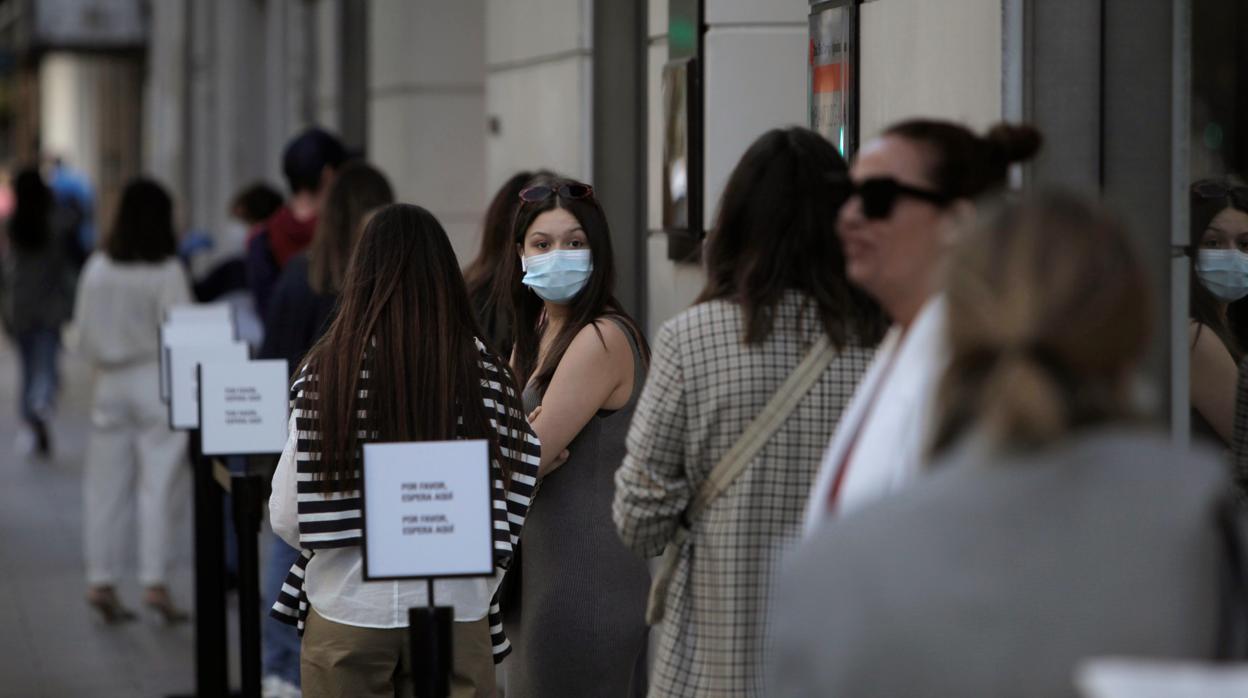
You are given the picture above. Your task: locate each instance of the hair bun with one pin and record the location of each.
(1015, 142)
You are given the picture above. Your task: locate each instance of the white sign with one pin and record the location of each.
(427, 510)
(242, 407)
(209, 312)
(202, 333)
(184, 364)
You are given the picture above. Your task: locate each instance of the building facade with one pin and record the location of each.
(1135, 97)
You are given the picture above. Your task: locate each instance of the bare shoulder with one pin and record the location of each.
(600, 339)
(1206, 343)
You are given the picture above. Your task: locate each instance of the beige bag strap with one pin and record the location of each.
(726, 471)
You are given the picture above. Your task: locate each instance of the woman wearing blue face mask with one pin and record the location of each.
(575, 610)
(1219, 277)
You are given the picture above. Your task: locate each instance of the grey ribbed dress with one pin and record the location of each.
(578, 628)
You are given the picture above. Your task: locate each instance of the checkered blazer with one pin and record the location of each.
(704, 389)
(1239, 438)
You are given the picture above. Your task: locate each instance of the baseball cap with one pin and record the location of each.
(307, 155)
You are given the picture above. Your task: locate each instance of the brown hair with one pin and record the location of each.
(1048, 313)
(491, 299)
(358, 190)
(963, 165)
(255, 203)
(404, 317)
(775, 233)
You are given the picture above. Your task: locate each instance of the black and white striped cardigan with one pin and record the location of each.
(334, 520)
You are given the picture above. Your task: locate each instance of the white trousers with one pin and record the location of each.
(132, 457)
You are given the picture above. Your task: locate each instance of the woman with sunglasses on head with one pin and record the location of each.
(1218, 277)
(912, 184)
(776, 296)
(401, 361)
(576, 620)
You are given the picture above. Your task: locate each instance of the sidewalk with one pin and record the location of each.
(51, 645)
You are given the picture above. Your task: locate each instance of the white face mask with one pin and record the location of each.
(1224, 273)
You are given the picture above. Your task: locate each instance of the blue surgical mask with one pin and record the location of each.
(1224, 273)
(557, 276)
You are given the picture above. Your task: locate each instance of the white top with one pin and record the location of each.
(120, 307)
(335, 583)
(890, 415)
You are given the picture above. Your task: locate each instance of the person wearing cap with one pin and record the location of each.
(309, 163)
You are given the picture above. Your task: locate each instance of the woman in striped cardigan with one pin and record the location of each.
(401, 362)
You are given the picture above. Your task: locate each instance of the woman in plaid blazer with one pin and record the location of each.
(775, 284)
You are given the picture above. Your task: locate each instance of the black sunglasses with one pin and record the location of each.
(567, 190)
(879, 195)
(1209, 189)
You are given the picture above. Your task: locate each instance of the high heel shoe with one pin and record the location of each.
(105, 602)
(158, 600)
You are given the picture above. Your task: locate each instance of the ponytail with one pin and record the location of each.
(1021, 396)
(963, 165)
(1048, 312)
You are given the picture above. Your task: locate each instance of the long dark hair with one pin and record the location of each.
(776, 231)
(594, 302)
(404, 317)
(143, 230)
(1208, 198)
(30, 227)
(496, 243)
(357, 190)
(491, 299)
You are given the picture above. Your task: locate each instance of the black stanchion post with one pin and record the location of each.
(430, 639)
(245, 493)
(211, 658)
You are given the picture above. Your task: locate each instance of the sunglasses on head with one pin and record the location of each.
(1220, 190)
(566, 190)
(880, 194)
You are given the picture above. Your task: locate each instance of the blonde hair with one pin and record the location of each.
(1048, 313)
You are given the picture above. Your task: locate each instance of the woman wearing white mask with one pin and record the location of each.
(575, 610)
(1219, 215)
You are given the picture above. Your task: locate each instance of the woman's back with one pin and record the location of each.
(705, 388)
(997, 576)
(122, 304)
(39, 282)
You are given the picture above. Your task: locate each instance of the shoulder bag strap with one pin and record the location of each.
(757, 434)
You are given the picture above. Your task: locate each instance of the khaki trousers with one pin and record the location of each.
(346, 661)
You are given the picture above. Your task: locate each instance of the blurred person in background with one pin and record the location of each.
(309, 163)
(1218, 277)
(220, 272)
(489, 297)
(224, 268)
(74, 194)
(133, 457)
(299, 313)
(1052, 528)
(912, 185)
(577, 617)
(37, 295)
(776, 293)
